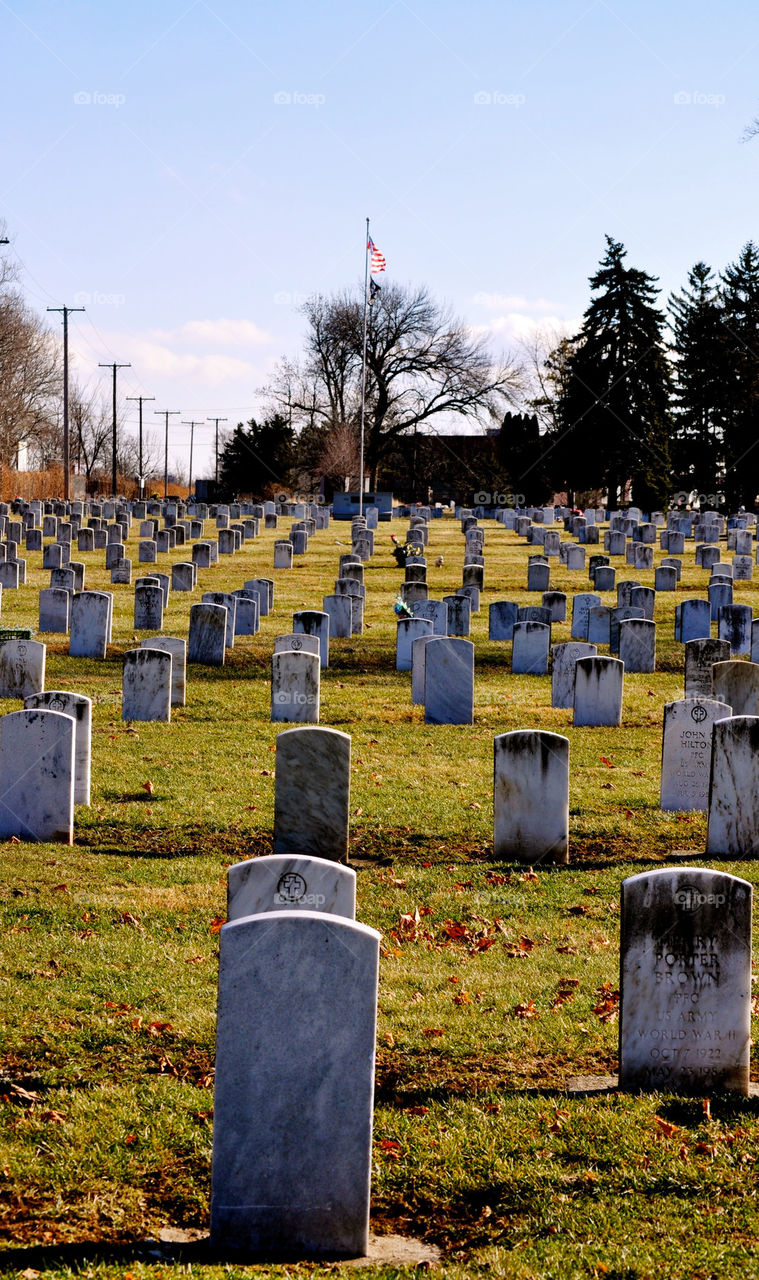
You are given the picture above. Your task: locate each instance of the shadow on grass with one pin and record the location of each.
(89, 1253)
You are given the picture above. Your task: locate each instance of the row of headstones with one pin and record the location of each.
(291, 1167)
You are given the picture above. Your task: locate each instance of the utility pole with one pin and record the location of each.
(167, 413)
(192, 426)
(114, 366)
(217, 421)
(65, 312)
(141, 400)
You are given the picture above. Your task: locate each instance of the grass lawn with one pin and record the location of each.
(497, 982)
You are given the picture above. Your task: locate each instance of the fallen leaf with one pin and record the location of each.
(217, 923)
(433, 1031)
(389, 1039)
(664, 1125)
(53, 1117)
(706, 1107)
(526, 1010)
(148, 786)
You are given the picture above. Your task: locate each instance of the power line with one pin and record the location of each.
(192, 426)
(114, 366)
(140, 399)
(167, 413)
(65, 312)
(217, 421)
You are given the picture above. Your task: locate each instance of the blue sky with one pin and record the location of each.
(190, 171)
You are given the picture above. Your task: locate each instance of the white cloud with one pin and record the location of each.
(222, 332)
(512, 302)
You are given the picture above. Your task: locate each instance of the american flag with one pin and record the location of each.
(377, 262)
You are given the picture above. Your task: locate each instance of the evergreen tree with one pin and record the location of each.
(613, 412)
(701, 383)
(740, 316)
(520, 446)
(258, 458)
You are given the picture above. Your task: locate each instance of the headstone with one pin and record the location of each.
(502, 617)
(314, 622)
(720, 594)
(90, 619)
(183, 576)
(9, 575)
(700, 656)
(206, 643)
(36, 775)
(693, 620)
(531, 796)
(637, 645)
(599, 625)
(687, 752)
(581, 606)
(599, 684)
(228, 602)
(449, 681)
(147, 552)
(605, 578)
(177, 648)
(22, 668)
(54, 606)
(295, 687)
(531, 644)
(79, 709)
(734, 625)
(148, 608)
(733, 825)
(435, 611)
(294, 1085)
(538, 577)
(122, 572)
(408, 630)
(283, 555)
(146, 684)
(459, 615)
(563, 659)
(282, 882)
(737, 684)
(685, 962)
(312, 793)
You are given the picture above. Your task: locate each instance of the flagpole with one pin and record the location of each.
(363, 381)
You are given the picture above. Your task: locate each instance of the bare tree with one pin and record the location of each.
(421, 363)
(90, 422)
(339, 461)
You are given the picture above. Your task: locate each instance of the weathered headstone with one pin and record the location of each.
(294, 1085)
(700, 656)
(685, 962)
(54, 609)
(314, 622)
(146, 685)
(79, 709)
(407, 631)
(177, 647)
(295, 679)
(206, 642)
(531, 796)
(737, 684)
(459, 615)
(637, 645)
(22, 668)
(90, 617)
(286, 882)
(687, 752)
(563, 659)
(340, 614)
(449, 681)
(734, 625)
(148, 608)
(531, 644)
(599, 685)
(502, 617)
(228, 602)
(312, 793)
(37, 775)
(581, 606)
